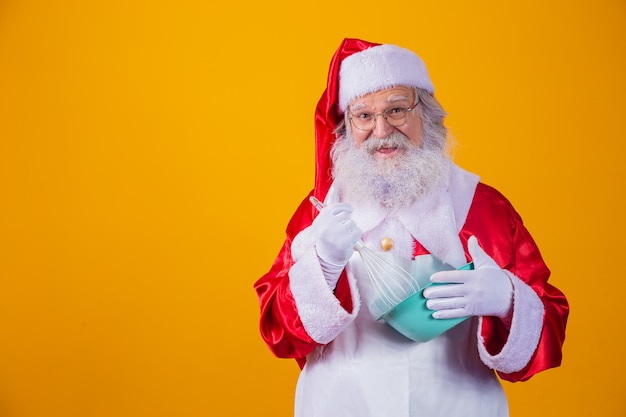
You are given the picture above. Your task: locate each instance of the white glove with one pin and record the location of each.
(335, 236)
(484, 291)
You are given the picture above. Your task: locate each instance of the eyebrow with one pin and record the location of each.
(391, 99)
(397, 97)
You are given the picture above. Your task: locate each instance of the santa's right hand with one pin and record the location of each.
(335, 236)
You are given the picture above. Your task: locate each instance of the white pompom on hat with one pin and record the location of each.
(380, 67)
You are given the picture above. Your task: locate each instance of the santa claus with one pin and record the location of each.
(384, 175)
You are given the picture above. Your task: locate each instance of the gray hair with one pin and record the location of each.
(434, 133)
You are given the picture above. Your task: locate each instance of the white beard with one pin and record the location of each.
(395, 182)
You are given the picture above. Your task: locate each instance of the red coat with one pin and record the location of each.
(502, 235)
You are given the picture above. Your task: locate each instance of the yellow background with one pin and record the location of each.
(151, 153)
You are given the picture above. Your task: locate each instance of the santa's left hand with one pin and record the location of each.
(484, 291)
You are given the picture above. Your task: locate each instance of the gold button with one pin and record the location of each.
(386, 244)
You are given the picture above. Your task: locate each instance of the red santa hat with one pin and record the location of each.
(359, 67)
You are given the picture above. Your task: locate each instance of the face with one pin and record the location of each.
(379, 102)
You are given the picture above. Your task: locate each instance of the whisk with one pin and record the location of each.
(392, 282)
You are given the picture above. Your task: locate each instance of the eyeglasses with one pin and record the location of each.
(395, 116)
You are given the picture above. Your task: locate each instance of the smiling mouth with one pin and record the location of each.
(387, 150)
(387, 147)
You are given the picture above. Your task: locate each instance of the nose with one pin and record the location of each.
(382, 129)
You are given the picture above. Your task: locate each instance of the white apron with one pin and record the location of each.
(370, 370)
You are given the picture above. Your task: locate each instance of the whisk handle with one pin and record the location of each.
(319, 206)
(359, 245)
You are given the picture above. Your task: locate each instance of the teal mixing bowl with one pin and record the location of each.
(414, 320)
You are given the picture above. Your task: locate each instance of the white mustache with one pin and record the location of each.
(394, 140)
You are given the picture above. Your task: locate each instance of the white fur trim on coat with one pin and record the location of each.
(321, 314)
(526, 326)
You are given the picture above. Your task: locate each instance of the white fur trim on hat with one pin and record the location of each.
(380, 67)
